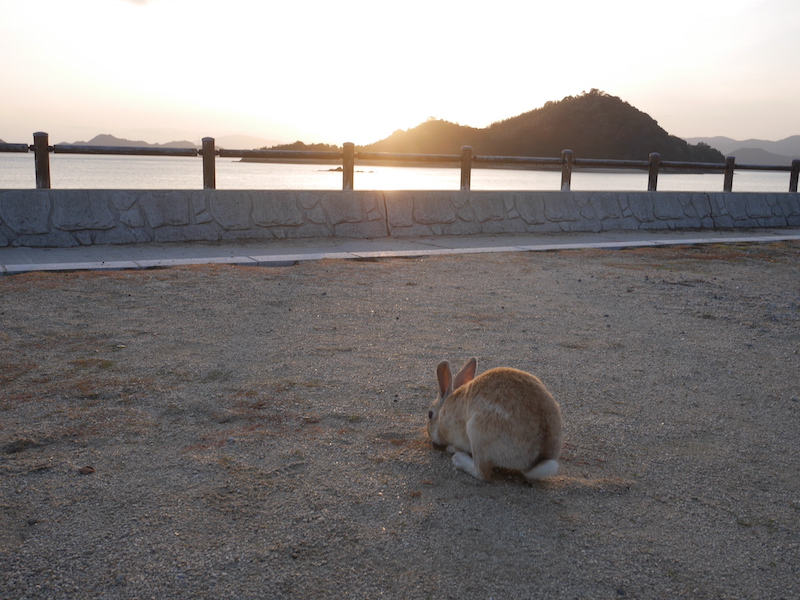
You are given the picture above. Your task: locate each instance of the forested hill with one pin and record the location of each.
(592, 125)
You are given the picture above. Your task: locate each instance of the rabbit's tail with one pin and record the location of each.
(545, 468)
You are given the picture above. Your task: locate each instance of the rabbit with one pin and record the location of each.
(503, 418)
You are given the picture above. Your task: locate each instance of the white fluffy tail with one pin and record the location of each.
(546, 468)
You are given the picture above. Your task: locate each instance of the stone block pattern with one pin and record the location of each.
(64, 218)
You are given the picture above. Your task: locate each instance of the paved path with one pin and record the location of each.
(285, 252)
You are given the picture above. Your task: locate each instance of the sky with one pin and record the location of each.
(355, 71)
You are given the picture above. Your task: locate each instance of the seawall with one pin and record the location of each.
(66, 218)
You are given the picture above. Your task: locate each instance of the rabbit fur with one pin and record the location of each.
(503, 418)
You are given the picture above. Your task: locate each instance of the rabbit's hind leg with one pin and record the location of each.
(479, 470)
(545, 468)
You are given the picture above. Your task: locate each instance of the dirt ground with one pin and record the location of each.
(236, 432)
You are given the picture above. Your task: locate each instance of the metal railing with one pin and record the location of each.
(348, 155)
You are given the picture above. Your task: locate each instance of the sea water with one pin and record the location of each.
(70, 171)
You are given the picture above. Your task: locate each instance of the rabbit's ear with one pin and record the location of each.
(445, 377)
(466, 374)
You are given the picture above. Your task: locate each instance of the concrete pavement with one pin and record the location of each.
(287, 252)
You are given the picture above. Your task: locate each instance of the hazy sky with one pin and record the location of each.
(337, 70)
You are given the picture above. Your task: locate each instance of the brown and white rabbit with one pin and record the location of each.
(504, 418)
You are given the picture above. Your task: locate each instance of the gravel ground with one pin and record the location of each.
(234, 432)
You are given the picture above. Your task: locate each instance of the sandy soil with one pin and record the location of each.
(231, 432)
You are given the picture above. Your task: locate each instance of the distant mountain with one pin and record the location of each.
(786, 149)
(757, 156)
(721, 143)
(592, 125)
(110, 140)
(232, 142)
(789, 146)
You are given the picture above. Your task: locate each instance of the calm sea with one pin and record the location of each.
(145, 172)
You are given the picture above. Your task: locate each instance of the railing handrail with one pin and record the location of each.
(785, 168)
(14, 147)
(123, 150)
(324, 155)
(608, 163)
(348, 155)
(399, 156)
(517, 160)
(697, 166)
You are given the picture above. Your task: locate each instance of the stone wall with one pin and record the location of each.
(63, 218)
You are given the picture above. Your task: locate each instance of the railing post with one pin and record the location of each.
(466, 167)
(566, 170)
(209, 165)
(794, 175)
(348, 165)
(730, 162)
(41, 151)
(652, 179)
